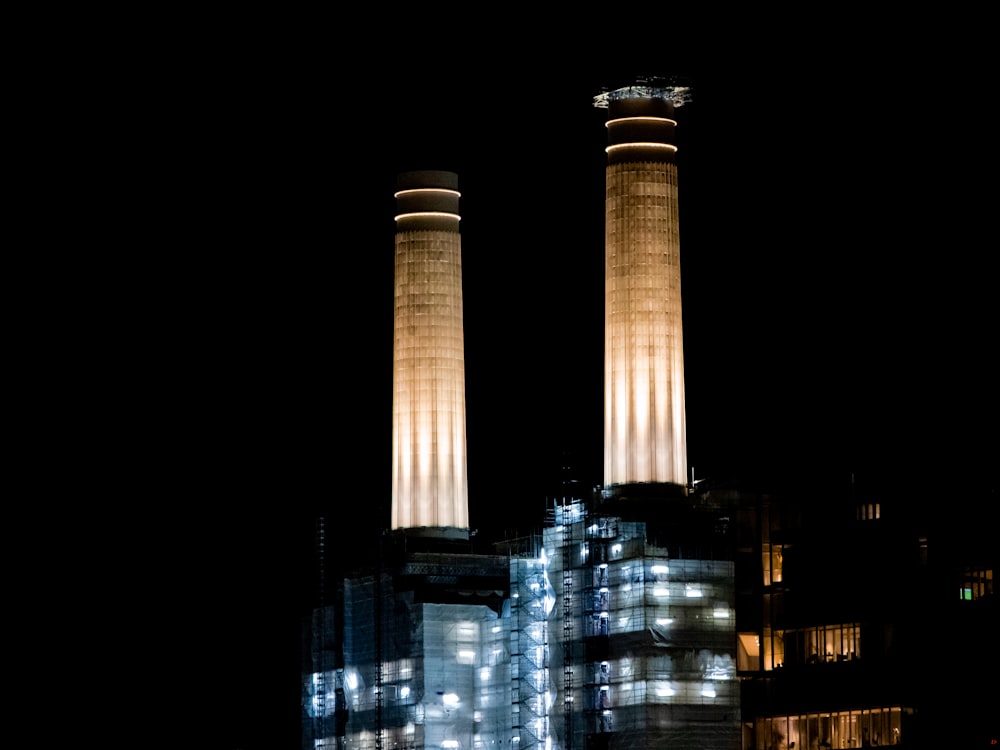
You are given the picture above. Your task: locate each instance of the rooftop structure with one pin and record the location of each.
(667, 89)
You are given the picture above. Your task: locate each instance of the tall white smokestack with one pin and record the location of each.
(645, 437)
(429, 470)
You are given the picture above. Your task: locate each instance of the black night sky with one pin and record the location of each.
(839, 299)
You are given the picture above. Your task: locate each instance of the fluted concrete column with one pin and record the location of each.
(429, 477)
(644, 416)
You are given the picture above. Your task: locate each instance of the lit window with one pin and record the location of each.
(772, 558)
(466, 656)
(976, 583)
(868, 511)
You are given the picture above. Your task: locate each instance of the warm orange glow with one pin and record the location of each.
(641, 144)
(665, 120)
(644, 418)
(429, 477)
(428, 213)
(412, 191)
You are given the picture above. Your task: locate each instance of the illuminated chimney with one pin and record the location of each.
(429, 478)
(645, 437)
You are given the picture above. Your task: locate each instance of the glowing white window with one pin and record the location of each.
(466, 656)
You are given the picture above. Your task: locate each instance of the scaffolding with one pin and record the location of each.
(425, 658)
(530, 604)
(601, 640)
(649, 645)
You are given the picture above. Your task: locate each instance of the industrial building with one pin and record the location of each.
(654, 611)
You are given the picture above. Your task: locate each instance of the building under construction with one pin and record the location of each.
(648, 613)
(596, 633)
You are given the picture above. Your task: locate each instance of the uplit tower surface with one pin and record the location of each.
(429, 467)
(645, 436)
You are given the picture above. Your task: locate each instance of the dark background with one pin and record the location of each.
(236, 330)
